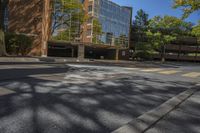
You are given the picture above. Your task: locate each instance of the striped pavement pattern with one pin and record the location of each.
(192, 74)
(168, 72)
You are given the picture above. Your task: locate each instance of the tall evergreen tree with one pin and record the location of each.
(141, 21)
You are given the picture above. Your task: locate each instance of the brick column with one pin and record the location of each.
(46, 22)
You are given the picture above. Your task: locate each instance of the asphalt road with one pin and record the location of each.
(59, 98)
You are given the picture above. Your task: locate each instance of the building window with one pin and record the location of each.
(90, 21)
(90, 8)
(6, 18)
(89, 32)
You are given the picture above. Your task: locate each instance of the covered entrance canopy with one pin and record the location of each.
(86, 50)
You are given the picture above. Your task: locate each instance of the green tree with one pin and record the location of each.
(163, 30)
(170, 25)
(97, 31)
(188, 6)
(141, 20)
(196, 30)
(139, 28)
(68, 15)
(158, 40)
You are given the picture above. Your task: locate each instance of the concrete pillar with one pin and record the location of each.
(2, 44)
(72, 52)
(117, 55)
(81, 51)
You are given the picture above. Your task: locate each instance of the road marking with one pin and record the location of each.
(4, 91)
(192, 74)
(131, 68)
(169, 72)
(151, 70)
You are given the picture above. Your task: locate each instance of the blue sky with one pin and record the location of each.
(157, 7)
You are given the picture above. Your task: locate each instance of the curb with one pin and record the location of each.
(147, 120)
(39, 59)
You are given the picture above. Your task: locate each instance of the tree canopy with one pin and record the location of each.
(188, 6)
(141, 20)
(170, 25)
(164, 30)
(196, 30)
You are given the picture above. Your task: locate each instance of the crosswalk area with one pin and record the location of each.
(163, 71)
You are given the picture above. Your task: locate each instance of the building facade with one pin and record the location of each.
(31, 18)
(115, 22)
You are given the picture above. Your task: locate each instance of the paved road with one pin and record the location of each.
(60, 98)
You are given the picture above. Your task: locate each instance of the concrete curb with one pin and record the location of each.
(40, 60)
(147, 120)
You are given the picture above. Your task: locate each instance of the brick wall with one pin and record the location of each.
(85, 26)
(26, 17)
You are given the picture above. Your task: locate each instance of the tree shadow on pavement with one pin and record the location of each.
(99, 104)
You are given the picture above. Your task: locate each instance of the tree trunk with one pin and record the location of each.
(2, 44)
(163, 54)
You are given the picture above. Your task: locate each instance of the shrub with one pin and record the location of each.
(17, 44)
(144, 51)
(143, 55)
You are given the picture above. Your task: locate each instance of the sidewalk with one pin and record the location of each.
(121, 63)
(184, 119)
(179, 114)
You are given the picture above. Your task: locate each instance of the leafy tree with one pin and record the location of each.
(196, 30)
(164, 30)
(68, 15)
(160, 40)
(97, 31)
(188, 6)
(170, 25)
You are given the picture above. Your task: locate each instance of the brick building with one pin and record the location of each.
(31, 18)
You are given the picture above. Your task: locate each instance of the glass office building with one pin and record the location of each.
(115, 21)
(4, 14)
